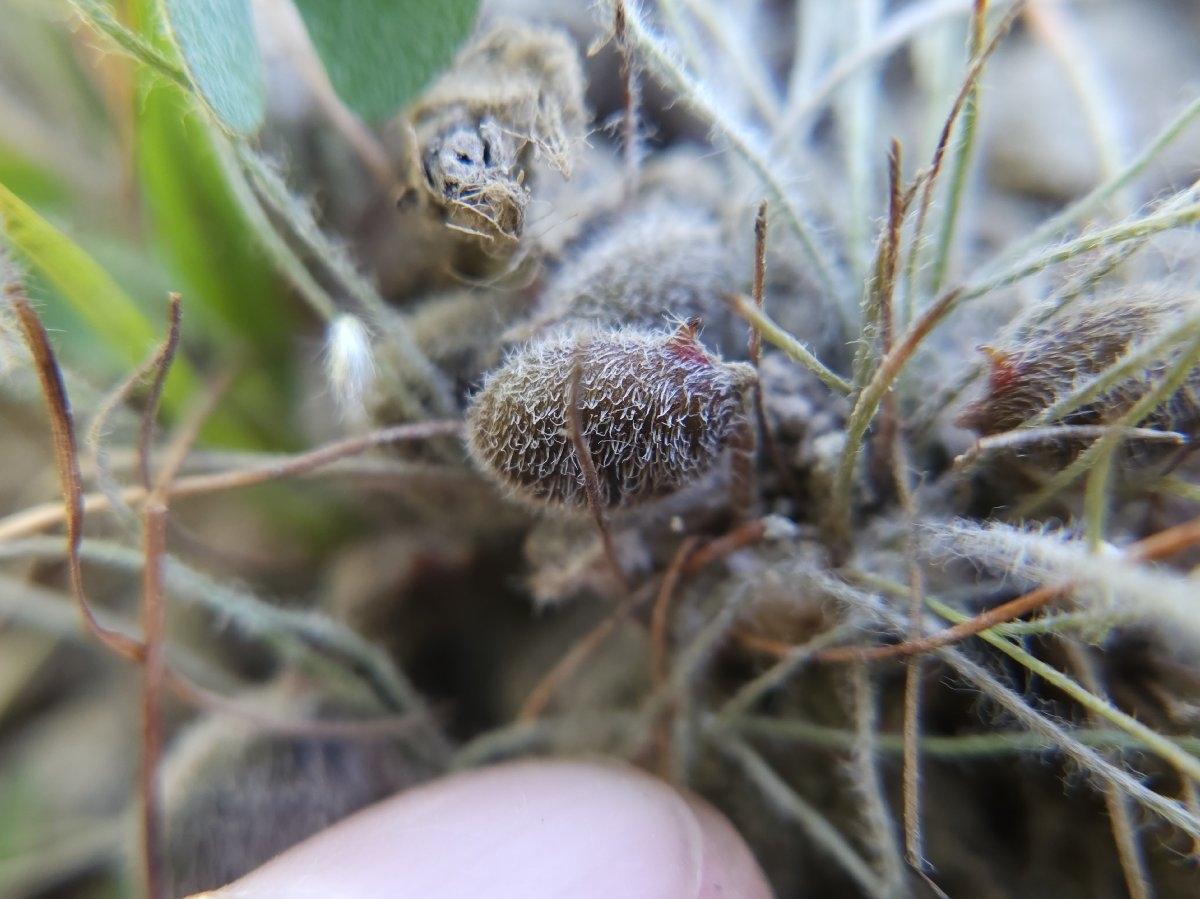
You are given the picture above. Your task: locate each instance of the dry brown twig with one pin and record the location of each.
(1155, 547)
(691, 562)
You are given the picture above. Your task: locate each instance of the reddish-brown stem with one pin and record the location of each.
(543, 692)
(66, 460)
(161, 367)
(629, 85)
(1156, 546)
(660, 614)
(39, 517)
(974, 70)
(153, 676)
(591, 481)
(758, 294)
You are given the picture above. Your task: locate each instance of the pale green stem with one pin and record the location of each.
(961, 163)
(1061, 737)
(302, 636)
(1136, 359)
(819, 829)
(731, 37)
(99, 16)
(818, 736)
(662, 61)
(418, 371)
(779, 673)
(1163, 746)
(897, 30)
(797, 351)
(857, 113)
(867, 781)
(286, 261)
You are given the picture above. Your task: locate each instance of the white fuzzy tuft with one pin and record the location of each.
(349, 363)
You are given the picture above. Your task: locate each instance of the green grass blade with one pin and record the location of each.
(94, 296)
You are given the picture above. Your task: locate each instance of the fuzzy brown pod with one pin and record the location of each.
(514, 91)
(662, 259)
(657, 411)
(1043, 362)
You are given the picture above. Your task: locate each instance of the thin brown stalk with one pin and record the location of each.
(965, 93)
(914, 843)
(96, 431)
(743, 535)
(758, 294)
(883, 288)
(591, 481)
(154, 609)
(660, 615)
(630, 148)
(898, 199)
(1022, 605)
(153, 677)
(1154, 547)
(66, 460)
(760, 277)
(162, 366)
(38, 518)
(660, 656)
(543, 692)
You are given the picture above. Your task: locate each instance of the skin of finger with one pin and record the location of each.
(526, 829)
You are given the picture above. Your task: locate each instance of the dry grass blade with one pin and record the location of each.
(660, 614)
(961, 101)
(865, 407)
(583, 458)
(161, 366)
(631, 149)
(38, 518)
(542, 694)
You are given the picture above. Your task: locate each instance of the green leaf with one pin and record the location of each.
(94, 296)
(237, 302)
(216, 39)
(380, 54)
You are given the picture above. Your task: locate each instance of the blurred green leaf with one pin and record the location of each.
(31, 180)
(380, 54)
(216, 38)
(107, 310)
(237, 301)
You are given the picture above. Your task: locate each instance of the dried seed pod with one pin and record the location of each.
(513, 91)
(1044, 362)
(657, 411)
